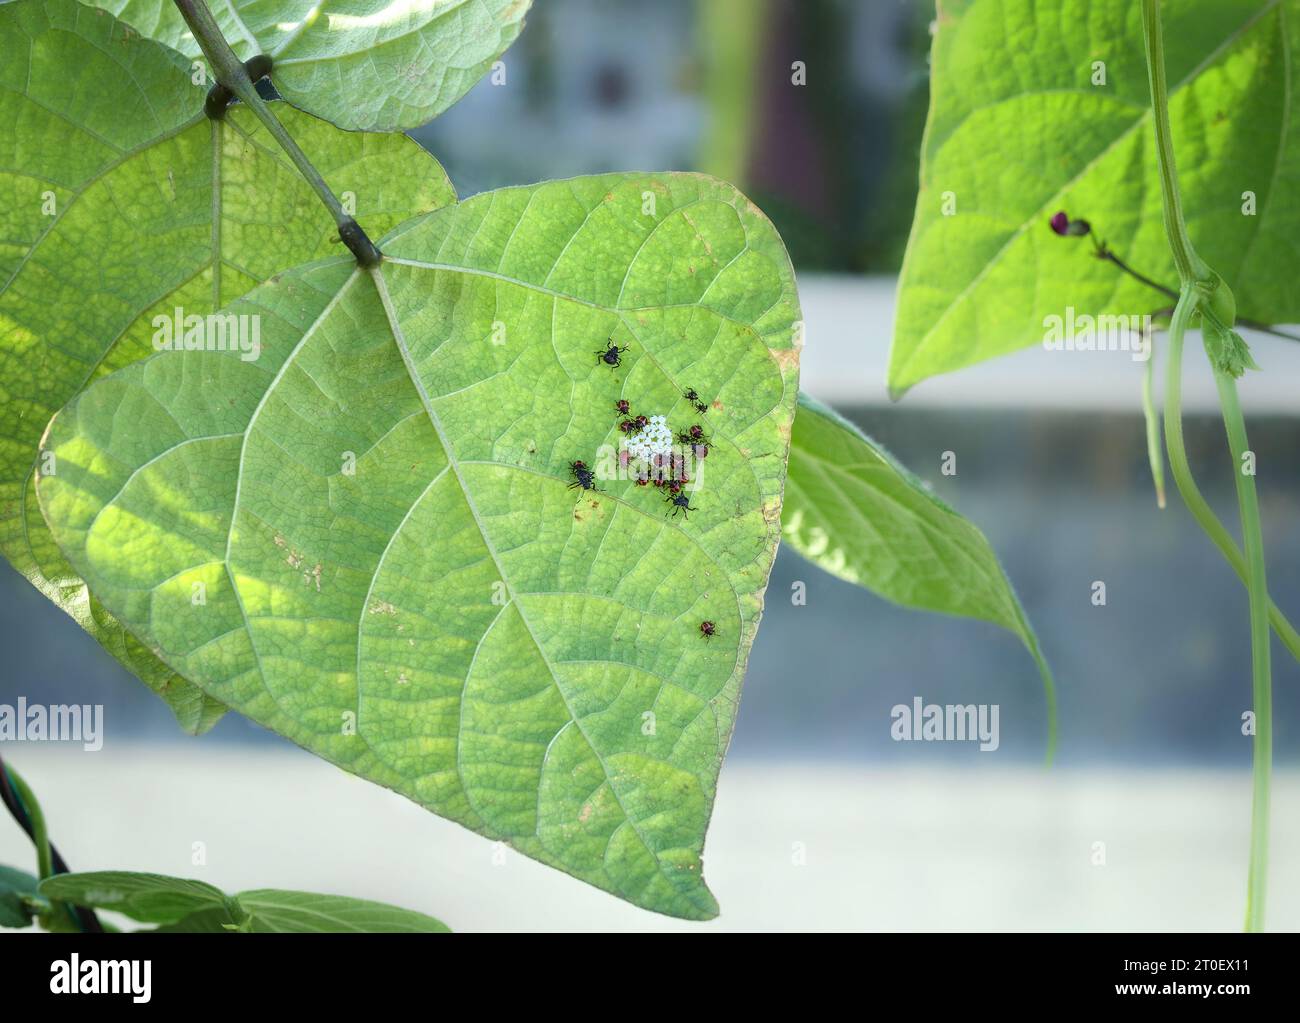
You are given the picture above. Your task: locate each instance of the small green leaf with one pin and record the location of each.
(273, 910)
(149, 898)
(16, 888)
(372, 65)
(1063, 124)
(180, 906)
(855, 512)
(119, 202)
(453, 619)
(1227, 349)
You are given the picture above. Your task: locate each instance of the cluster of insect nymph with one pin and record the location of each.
(663, 469)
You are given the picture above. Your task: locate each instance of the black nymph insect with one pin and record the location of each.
(612, 356)
(681, 502)
(707, 629)
(582, 476)
(622, 407)
(695, 435)
(693, 397)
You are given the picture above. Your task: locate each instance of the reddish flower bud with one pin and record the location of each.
(1065, 227)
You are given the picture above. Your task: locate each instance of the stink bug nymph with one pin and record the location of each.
(582, 476)
(693, 397)
(681, 503)
(707, 629)
(612, 356)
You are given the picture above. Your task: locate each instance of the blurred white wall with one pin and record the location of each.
(850, 321)
(961, 848)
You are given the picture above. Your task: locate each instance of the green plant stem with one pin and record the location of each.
(1199, 284)
(1262, 688)
(1191, 494)
(1107, 255)
(232, 73)
(45, 855)
(40, 834)
(1190, 266)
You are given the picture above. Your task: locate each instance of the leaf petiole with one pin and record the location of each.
(232, 74)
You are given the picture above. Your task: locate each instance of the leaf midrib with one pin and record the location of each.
(377, 275)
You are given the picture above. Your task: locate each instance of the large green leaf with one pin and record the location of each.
(180, 905)
(379, 65)
(1018, 131)
(453, 620)
(119, 201)
(853, 510)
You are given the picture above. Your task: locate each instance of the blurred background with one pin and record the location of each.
(822, 820)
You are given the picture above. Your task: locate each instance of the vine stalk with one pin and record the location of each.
(21, 802)
(1252, 536)
(1204, 292)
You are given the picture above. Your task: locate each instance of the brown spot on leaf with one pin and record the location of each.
(786, 358)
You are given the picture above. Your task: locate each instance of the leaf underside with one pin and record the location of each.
(851, 509)
(370, 65)
(1017, 131)
(452, 620)
(119, 202)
